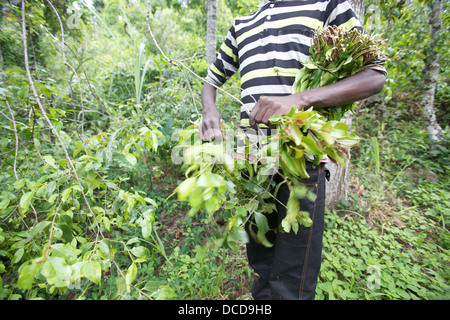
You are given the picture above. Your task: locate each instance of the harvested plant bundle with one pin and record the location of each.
(240, 191)
(336, 54)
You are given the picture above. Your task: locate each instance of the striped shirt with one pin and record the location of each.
(270, 46)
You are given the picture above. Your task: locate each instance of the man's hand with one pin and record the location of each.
(269, 106)
(210, 126)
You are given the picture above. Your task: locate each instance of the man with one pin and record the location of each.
(269, 47)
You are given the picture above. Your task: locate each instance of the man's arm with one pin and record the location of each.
(357, 87)
(210, 126)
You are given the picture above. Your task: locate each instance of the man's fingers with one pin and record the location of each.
(262, 111)
(265, 115)
(210, 130)
(254, 115)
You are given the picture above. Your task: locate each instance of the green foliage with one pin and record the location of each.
(405, 27)
(46, 214)
(394, 264)
(395, 224)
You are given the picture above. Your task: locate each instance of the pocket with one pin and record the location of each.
(314, 172)
(297, 33)
(293, 43)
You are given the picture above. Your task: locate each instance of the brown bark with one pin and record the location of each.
(432, 73)
(211, 18)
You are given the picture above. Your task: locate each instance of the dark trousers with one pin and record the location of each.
(289, 269)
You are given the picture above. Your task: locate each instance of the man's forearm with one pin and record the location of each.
(208, 98)
(210, 126)
(360, 86)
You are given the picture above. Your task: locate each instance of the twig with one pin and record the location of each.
(81, 102)
(89, 83)
(16, 152)
(16, 138)
(193, 57)
(63, 51)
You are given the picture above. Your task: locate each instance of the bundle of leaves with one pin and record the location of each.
(240, 191)
(336, 54)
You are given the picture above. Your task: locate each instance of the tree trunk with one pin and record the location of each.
(359, 7)
(431, 74)
(338, 186)
(211, 17)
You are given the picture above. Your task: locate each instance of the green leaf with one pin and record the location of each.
(185, 188)
(140, 251)
(154, 141)
(261, 222)
(26, 276)
(22, 93)
(49, 159)
(307, 222)
(275, 119)
(17, 256)
(25, 201)
(120, 285)
(67, 235)
(263, 228)
(294, 133)
(196, 197)
(57, 272)
(50, 188)
(291, 112)
(212, 204)
(19, 184)
(4, 204)
(289, 163)
(66, 194)
(104, 248)
(147, 227)
(325, 136)
(93, 271)
(310, 146)
(164, 293)
(65, 251)
(130, 275)
(131, 158)
(38, 228)
(212, 180)
(285, 225)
